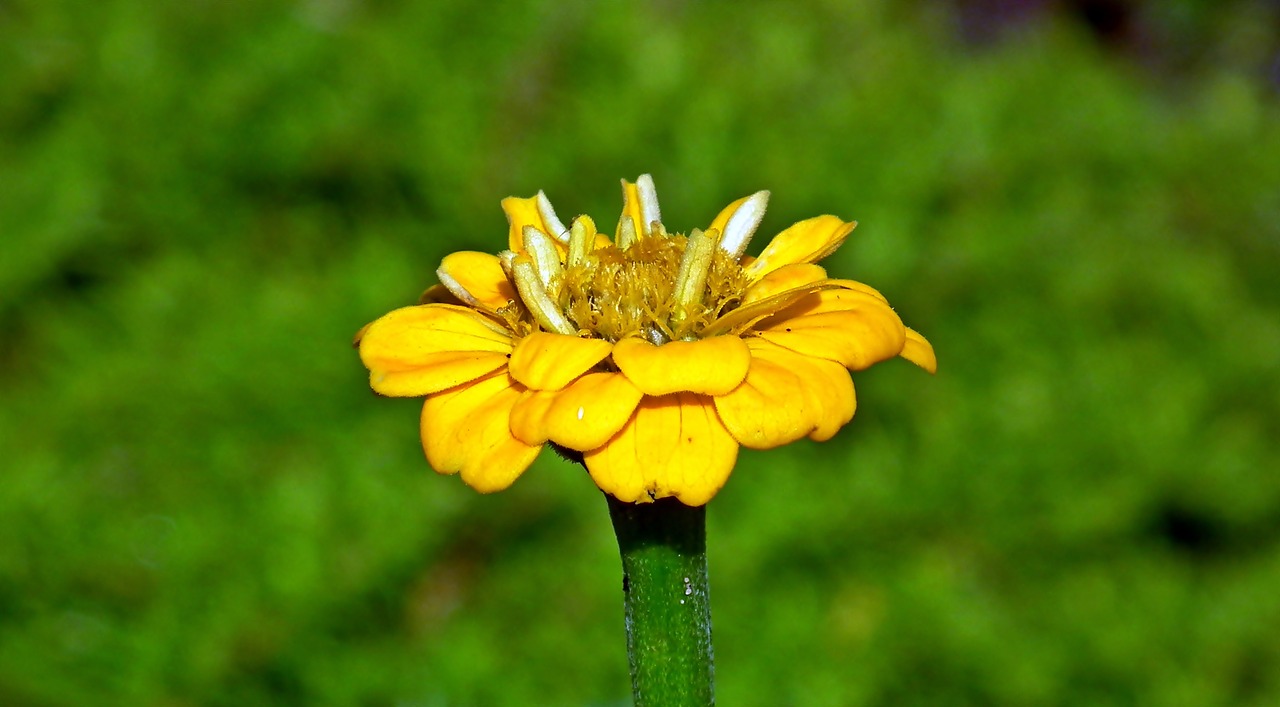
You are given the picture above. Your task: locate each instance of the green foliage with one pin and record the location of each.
(202, 503)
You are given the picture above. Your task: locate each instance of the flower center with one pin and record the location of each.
(650, 290)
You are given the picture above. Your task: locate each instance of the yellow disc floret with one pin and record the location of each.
(653, 289)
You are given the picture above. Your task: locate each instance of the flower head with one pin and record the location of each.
(653, 355)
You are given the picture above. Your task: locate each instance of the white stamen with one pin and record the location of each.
(649, 211)
(558, 231)
(581, 239)
(507, 259)
(535, 298)
(742, 224)
(546, 259)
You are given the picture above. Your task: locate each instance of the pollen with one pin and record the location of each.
(615, 292)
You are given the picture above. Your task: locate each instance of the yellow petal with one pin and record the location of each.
(428, 348)
(529, 415)
(674, 445)
(847, 326)
(861, 287)
(547, 361)
(746, 316)
(534, 211)
(839, 296)
(467, 430)
(770, 408)
(478, 275)
(787, 277)
(591, 410)
(639, 205)
(825, 386)
(712, 366)
(439, 294)
(919, 351)
(808, 241)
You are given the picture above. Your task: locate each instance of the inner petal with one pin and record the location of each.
(547, 361)
(712, 366)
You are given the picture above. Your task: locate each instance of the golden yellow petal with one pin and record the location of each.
(523, 212)
(479, 275)
(770, 408)
(520, 212)
(591, 410)
(838, 296)
(547, 361)
(529, 416)
(631, 209)
(919, 351)
(674, 445)
(467, 430)
(808, 241)
(787, 277)
(428, 348)
(861, 287)
(853, 341)
(746, 316)
(847, 326)
(825, 386)
(712, 366)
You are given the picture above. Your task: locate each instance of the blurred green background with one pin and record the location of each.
(201, 503)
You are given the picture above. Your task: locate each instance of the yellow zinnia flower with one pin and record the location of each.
(653, 355)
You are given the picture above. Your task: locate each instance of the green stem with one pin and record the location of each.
(668, 608)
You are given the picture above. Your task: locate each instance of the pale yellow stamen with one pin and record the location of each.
(546, 259)
(626, 232)
(581, 237)
(535, 297)
(695, 265)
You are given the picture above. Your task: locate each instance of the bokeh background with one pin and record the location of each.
(201, 503)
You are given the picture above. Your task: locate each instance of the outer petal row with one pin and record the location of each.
(674, 445)
(476, 278)
(919, 351)
(847, 326)
(770, 408)
(787, 277)
(808, 241)
(583, 416)
(825, 386)
(467, 430)
(420, 350)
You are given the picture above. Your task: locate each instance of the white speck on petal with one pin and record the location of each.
(581, 412)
